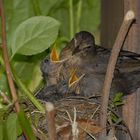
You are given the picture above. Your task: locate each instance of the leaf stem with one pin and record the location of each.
(71, 18)
(79, 12)
(27, 92)
(36, 7)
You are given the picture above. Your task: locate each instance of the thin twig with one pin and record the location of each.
(7, 63)
(6, 59)
(50, 110)
(74, 125)
(128, 19)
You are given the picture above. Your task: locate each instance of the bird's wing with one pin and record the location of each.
(129, 54)
(127, 82)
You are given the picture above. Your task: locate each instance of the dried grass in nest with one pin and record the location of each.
(87, 114)
(87, 117)
(85, 108)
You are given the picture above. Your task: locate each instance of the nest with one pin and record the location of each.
(86, 111)
(87, 117)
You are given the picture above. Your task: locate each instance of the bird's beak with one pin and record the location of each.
(54, 56)
(74, 79)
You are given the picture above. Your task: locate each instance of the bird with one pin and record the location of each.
(62, 89)
(81, 67)
(51, 67)
(92, 60)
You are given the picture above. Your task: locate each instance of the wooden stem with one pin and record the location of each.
(6, 59)
(128, 19)
(50, 110)
(7, 63)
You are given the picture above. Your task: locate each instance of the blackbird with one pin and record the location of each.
(91, 60)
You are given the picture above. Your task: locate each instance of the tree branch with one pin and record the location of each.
(50, 110)
(128, 19)
(7, 63)
(6, 59)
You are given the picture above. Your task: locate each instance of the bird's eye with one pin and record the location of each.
(46, 60)
(89, 47)
(76, 50)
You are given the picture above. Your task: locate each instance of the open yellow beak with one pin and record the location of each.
(54, 55)
(73, 78)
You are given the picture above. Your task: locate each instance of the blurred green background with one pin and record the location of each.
(73, 15)
(33, 27)
(86, 14)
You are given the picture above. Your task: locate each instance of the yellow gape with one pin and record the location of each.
(54, 55)
(73, 78)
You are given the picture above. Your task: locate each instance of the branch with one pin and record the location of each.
(128, 19)
(7, 63)
(6, 59)
(50, 110)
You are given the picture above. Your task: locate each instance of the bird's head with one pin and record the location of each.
(51, 67)
(82, 42)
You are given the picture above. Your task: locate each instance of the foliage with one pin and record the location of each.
(117, 101)
(33, 26)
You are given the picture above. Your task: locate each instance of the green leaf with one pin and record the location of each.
(50, 3)
(118, 97)
(117, 100)
(28, 93)
(34, 35)
(119, 103)
(11, 126)
(114, 117)
(90, 15)
(3, 82)
(16, 12)
(24, 122)
(1, 131)
(24, 69)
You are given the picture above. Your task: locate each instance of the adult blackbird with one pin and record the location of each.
(91, 60)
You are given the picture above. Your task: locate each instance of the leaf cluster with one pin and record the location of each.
(33, 26)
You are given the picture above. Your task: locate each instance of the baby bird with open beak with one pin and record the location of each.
(57, 86)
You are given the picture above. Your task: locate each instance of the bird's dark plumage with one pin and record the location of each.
(91, 61)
